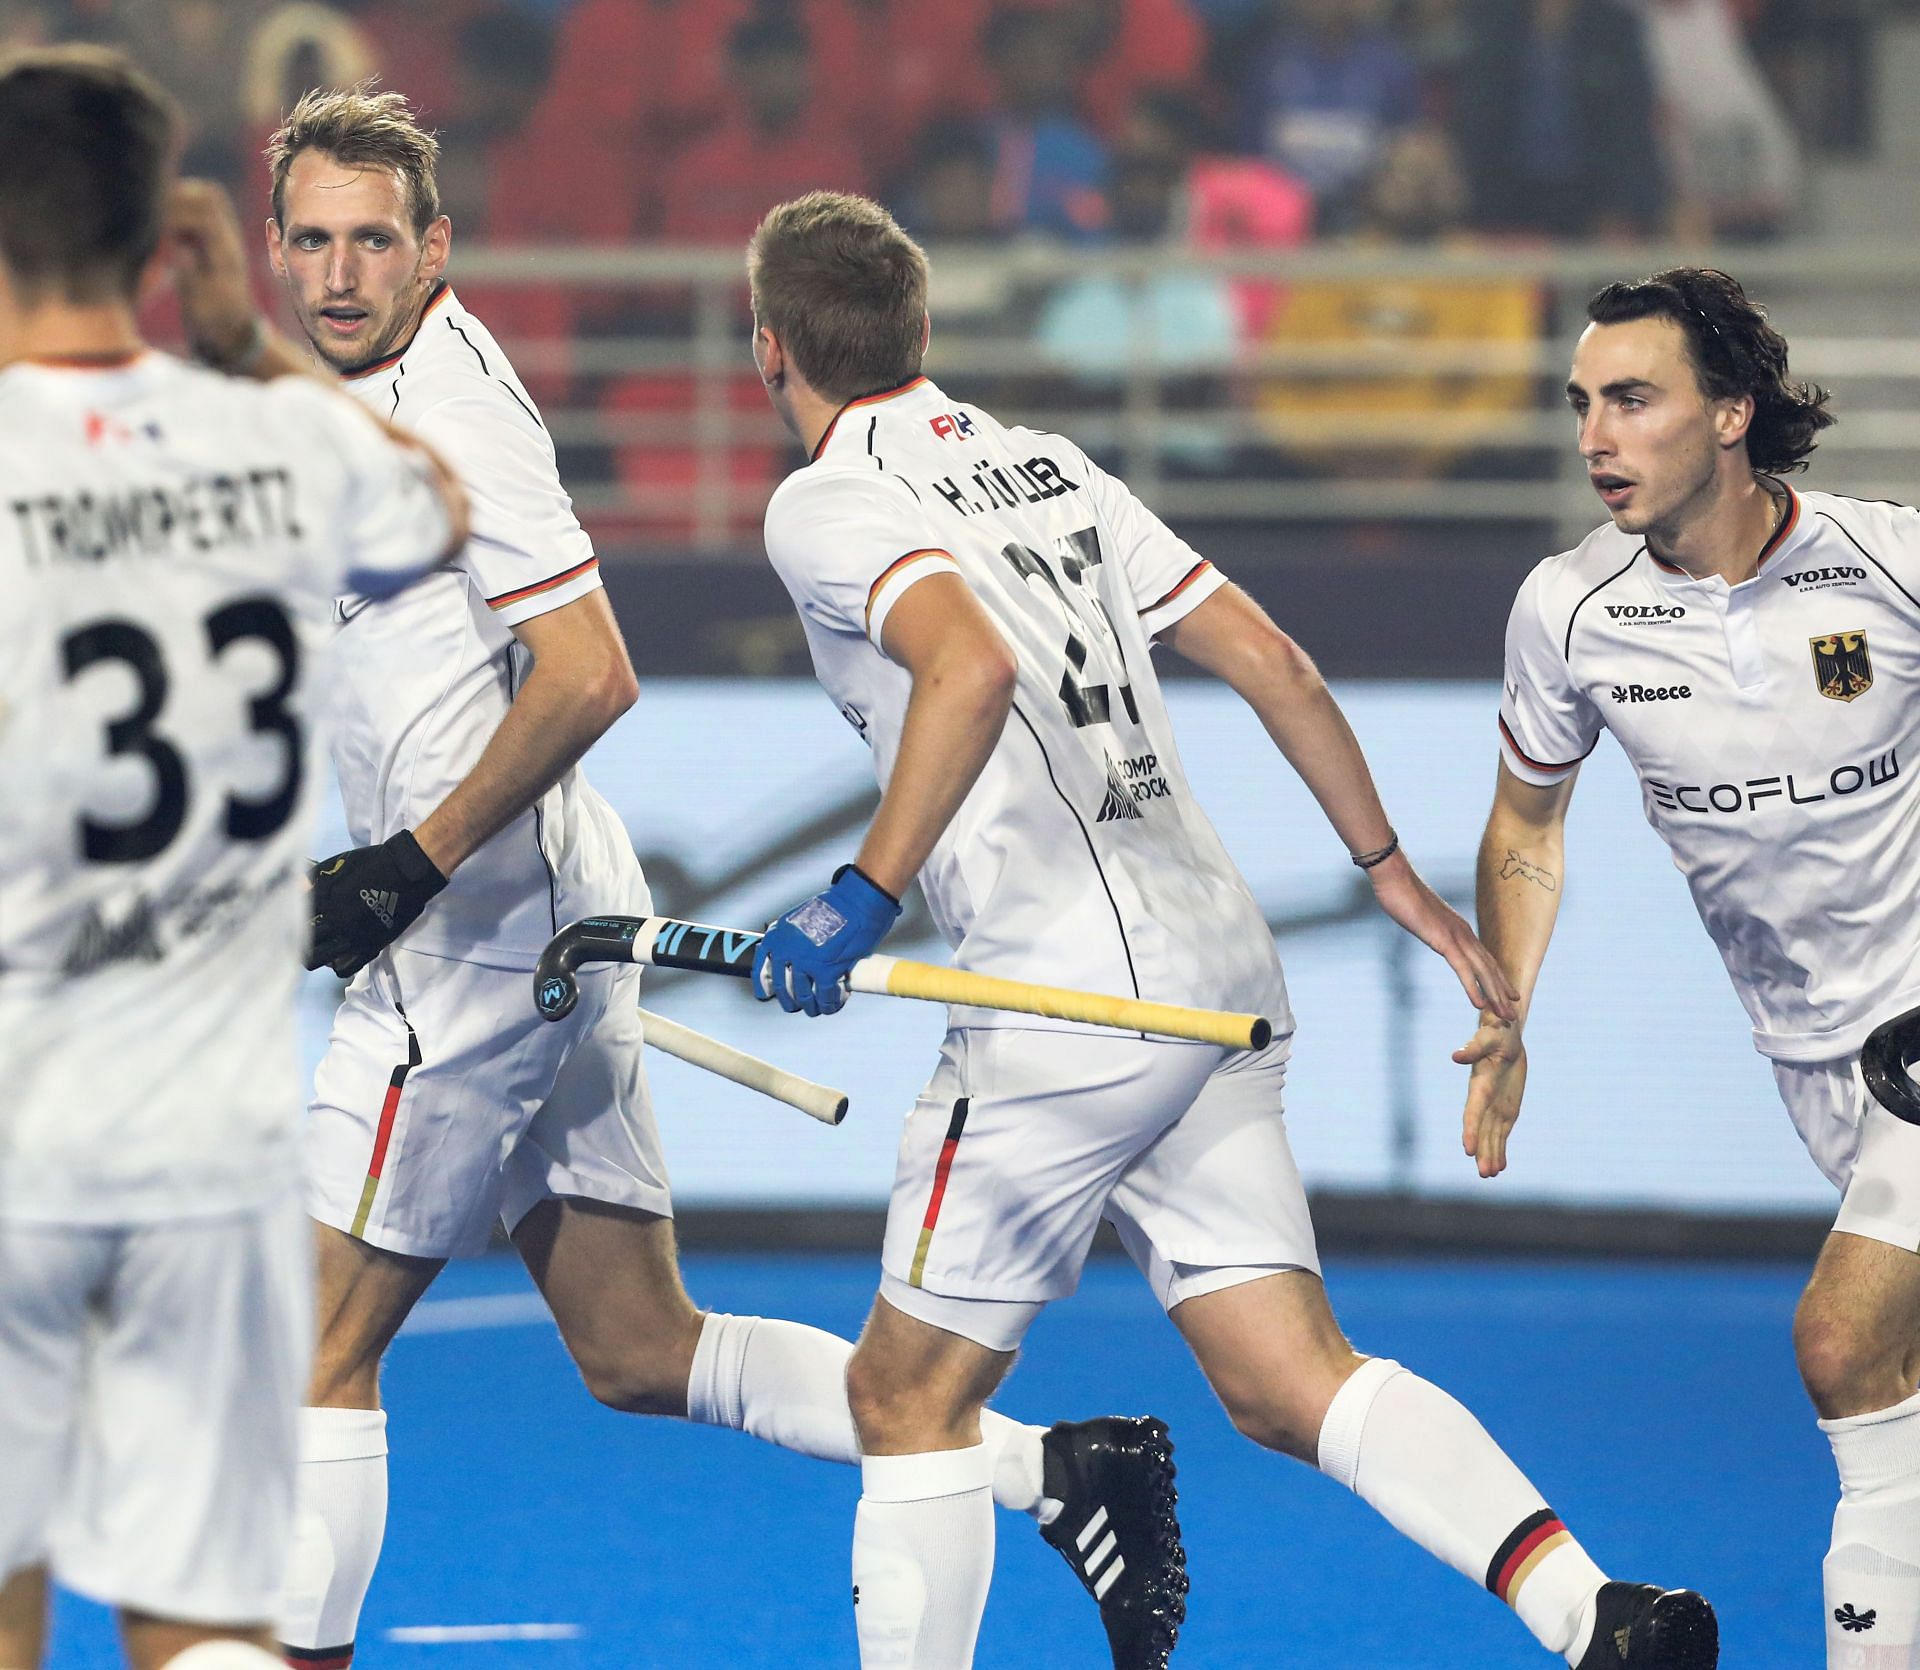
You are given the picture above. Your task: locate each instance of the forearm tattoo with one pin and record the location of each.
(1517, 868)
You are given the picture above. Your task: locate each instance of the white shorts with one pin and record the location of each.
(1024, 1140)
(147, 1430)
(1867, 1153)
(444, 1102)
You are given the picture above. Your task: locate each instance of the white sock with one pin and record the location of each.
(786, 1383)
(1427, 1466)
(225, 1655)
(1872, 1570)
(338, 1528)
(922, 1558)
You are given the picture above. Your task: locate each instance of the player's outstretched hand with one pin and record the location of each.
(209, 262)
(1498, 1058)
(1435, 923)
(805, 956)
(364, 899)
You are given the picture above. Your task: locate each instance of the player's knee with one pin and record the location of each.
(1845, 1370)
(636, 1380)
(1272, 1420)
(892, 1410)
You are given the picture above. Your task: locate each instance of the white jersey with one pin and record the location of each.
(1775, 727)
(1079, 857)
(171, 542)
(423, 680)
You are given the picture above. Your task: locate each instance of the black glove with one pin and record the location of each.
(365, 899)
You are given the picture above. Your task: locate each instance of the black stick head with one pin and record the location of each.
(1891, 1048)
(555, 993)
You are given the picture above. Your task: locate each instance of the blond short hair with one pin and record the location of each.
(843, 289)
(363, 128)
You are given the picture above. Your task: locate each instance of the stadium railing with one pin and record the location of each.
(1404, 411)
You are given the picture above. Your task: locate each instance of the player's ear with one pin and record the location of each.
(769, 358)
(276, 251)
(436, 246)
(1732, 418)
(926, 332)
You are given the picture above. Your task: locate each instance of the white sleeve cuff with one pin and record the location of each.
(894, 583)
(542, 597)
(1200, 583)
(1536, 772)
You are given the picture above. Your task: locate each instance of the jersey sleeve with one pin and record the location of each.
(850, 545)
(393, 521)
(1547, 725)
(1167, 577)
(527, 552)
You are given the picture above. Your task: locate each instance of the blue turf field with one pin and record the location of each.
(1656, 1406)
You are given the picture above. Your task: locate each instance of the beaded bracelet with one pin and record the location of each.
(1367, 860)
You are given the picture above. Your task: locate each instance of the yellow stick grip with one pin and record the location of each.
(899, 977)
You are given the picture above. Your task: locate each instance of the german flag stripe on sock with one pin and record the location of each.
(1530, 1542)
(318, 1658)
(947, 1148)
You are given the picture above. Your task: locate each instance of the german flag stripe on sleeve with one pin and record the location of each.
(894, 567)
(1192, 574)
(318, 1658)
(1539, 765)
(947, 1149)
(534, 590)
(1530, 1542)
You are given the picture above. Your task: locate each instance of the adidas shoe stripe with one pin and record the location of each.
(1090, 1530)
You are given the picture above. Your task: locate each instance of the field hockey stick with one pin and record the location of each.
(666, 943)
(1891, 1048)
(817, 1101)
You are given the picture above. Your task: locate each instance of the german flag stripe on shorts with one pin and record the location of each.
(954, 1127)
(318, 1658)
(384, 1134)
(1530, 1542)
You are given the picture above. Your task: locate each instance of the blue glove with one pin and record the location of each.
(805, 955)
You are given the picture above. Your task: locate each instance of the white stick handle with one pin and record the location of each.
(817, 1101)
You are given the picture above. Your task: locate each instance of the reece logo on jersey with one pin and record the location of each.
(1652, 692)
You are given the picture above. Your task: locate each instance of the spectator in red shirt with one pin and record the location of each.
(778, 141)
(1130, 47)
(647, 75)
(898, 67)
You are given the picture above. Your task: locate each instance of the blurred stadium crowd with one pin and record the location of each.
(1189, 126)
(1274, 120)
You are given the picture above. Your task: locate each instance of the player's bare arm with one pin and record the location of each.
(581, 682)
(963, 677)
(227, 330)
(1517, 896)
(1233, 638)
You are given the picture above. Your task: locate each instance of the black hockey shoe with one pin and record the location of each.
(1639, 1626)
(1119, 1530)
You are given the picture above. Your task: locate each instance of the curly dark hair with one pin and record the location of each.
(1734, 351)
